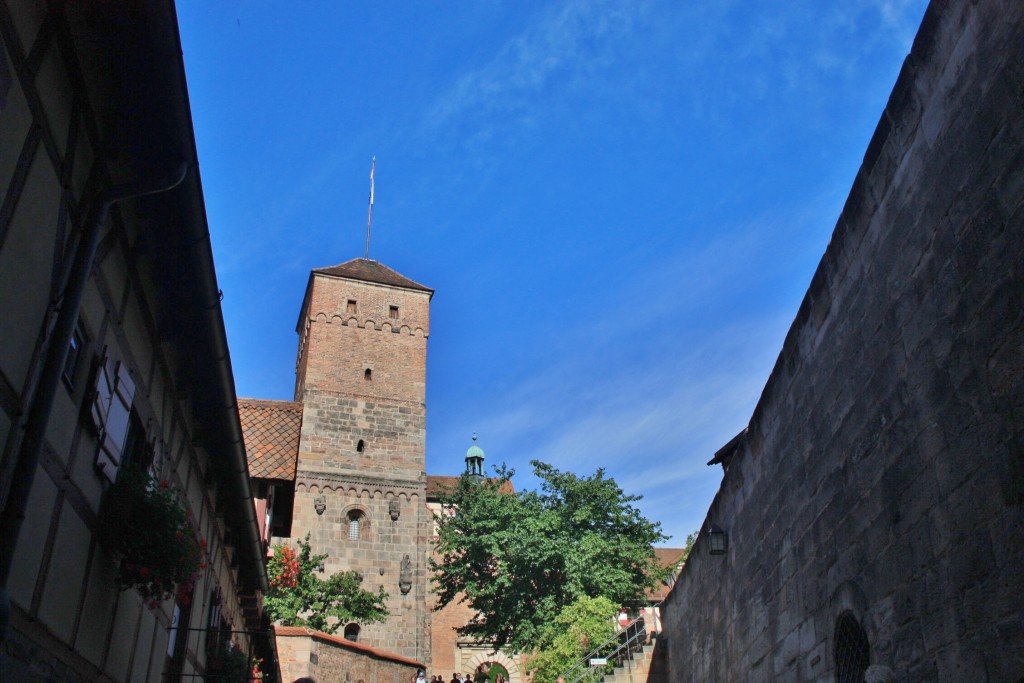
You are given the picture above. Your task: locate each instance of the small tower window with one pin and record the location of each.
(393, 312)
(355, 525)
(352, 632)
(351, 306)
(368, 374)
(360, 446)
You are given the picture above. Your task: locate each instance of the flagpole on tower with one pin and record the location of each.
(369, 214)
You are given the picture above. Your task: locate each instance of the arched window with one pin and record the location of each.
(352, 632)
(360, 446)
(355, 525)
(368, 374)
(852, 652)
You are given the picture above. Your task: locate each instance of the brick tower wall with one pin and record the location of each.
(387, 412)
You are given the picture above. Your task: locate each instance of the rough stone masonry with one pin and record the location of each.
(874, 505)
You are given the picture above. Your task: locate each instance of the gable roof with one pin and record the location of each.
(667, 557)
(437, 483)
(371, 271)
(271, 430)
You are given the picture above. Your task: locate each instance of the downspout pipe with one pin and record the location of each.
(68, 308)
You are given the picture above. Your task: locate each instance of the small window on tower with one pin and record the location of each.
(355, 523)
(368, 374)
(351, 307)
(360, 446)
(393, 312)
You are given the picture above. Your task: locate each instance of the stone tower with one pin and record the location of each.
(360, 488)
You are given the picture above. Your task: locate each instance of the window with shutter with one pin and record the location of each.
(111, 414)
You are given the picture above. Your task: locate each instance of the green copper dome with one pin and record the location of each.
(474, 450)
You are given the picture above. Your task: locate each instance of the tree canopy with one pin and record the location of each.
(519, 559)
(578, 628)
(298, 597)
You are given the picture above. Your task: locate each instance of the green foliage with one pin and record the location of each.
(298, 597)
(520, 559)
(496, 670)
(690, 540)
(228, 665)
(577, 630)
(143, 523)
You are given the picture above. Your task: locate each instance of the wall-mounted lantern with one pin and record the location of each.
(718, 540)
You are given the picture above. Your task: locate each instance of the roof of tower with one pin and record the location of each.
(371, 271)
(271, 431)
(475, 451)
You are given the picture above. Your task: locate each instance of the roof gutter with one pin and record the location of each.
(226, 406)
(226, 419)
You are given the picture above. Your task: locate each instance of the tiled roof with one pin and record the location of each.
(271, 430)
(436, 483)
(667, 557)
(300, 631)
(371, 271)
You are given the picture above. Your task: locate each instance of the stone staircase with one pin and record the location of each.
(648, 665)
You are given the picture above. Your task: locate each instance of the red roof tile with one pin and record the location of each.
(667, 557)
(299, 631)
(271, 430)
(371, 271)
(436, 483)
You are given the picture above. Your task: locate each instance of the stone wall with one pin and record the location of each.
(329, 659)
(393, 435)
(880, 481)
(338, 344)
(379, 552)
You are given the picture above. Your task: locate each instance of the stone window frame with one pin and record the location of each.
(356, 513)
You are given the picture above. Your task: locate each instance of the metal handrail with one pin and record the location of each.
(618, 648)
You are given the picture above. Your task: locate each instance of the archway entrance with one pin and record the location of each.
(492, 670)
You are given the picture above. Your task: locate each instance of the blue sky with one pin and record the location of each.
(619, 204)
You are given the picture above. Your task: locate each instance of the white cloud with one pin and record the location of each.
(559, 52)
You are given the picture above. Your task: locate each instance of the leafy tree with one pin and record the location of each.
(690, 540)
(519, 559)
(298, 597)
(578, 629)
